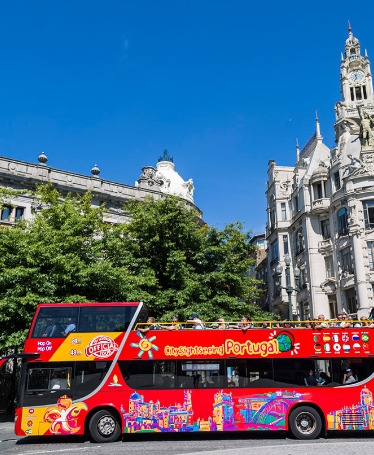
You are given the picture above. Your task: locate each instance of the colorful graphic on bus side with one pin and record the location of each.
(263, 411)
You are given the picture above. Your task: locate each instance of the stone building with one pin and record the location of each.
(321, 211)
(155, 182)
(259, 269)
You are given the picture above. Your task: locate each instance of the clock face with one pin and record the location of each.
(356, 76)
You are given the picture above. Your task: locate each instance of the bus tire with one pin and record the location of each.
(104, 426)
(305, 423)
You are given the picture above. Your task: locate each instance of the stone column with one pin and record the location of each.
(355, 231)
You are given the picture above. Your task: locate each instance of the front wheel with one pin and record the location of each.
(305, 423)
(104, 427)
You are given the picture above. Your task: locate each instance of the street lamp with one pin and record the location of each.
(288, 288)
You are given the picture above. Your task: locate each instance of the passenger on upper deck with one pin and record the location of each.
(363, 322)
(320, 324)
(152, 326)
(309, 325)
(287, 324)
(49, 329)
(70, 327)
(346, 323)
(198, 325)
(222, 324)
(339, 320)
(244, 324)
(175, 324)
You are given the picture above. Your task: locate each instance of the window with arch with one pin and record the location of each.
(343, 221)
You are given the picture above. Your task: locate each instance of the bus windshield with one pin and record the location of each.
(58, 320)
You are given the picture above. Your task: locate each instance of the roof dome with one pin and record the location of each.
(165, 179)
(320, 170)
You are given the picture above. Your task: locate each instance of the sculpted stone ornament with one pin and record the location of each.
(356, 166)
(367, 123)
(150, 177)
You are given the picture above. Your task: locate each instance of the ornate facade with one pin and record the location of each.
(321, 211)
(23, 176)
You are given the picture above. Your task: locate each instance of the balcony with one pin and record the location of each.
(321, 205)
(347, 280)
(325, 246)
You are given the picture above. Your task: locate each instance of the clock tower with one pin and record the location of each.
(356, 84)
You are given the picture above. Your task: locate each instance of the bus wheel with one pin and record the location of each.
(305, 423)
(104, 427)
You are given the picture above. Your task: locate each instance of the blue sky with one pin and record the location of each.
(225, 86)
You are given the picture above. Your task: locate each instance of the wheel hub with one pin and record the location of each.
(106, 426)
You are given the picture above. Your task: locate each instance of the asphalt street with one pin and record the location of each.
(186, 444)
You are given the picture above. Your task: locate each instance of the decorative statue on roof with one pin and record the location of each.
(367, 123)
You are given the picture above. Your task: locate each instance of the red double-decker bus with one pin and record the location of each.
(104, 377)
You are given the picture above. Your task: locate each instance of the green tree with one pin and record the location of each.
(59, 256)
(198, 268)
(164, 256)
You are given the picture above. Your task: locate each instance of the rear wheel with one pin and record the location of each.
(305, 423)
(104, 427)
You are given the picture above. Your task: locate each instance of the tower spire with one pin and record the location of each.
(297, 150)
(318, 129)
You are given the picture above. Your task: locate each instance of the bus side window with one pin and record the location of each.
(88, 376)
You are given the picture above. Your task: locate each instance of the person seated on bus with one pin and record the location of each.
(175, 325)
(311, 380)
(197, 380)
(309, 325)
(348, 377)
(222, 324)
(70, 327)
(324, 378)
(49, 329)
(244, 324)
(198, 324)
(58, 381)
(265, 325)
(320, 324)
(339, 320)
(287, 324)
(363, 322)
(151, 321)
(346, 323)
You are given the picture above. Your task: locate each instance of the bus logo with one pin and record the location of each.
(145, 345)
(101, 347)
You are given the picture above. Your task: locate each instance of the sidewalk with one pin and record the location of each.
(6, 422)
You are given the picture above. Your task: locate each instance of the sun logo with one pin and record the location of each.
(145, 345)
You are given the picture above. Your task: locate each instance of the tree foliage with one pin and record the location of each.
(162, 256)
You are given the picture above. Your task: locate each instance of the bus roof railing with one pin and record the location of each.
(264, 324)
